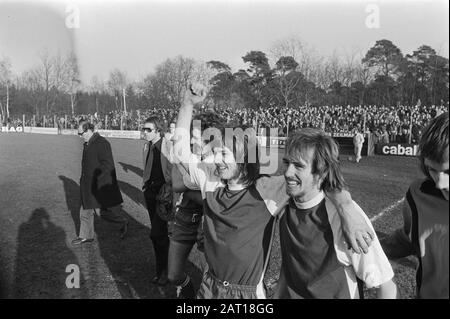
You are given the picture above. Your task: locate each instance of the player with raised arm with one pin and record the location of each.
(239, 205)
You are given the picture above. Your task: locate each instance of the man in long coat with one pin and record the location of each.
(157, 172)
(100, 193)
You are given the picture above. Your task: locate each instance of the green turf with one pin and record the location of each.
(39, 198)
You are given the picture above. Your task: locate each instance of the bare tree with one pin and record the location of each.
(139, 87)
(72, 79)
(291, 46)
(202, 73)
(117, 84)
(31, 80)
(287, 78)
(305, 55)
(166, 86)
(58, 78)
(335, 68)
(364, 74)
(5, 79)
(45, 74)
(349, 67)
(181, 71)
(320, 74)
(96, 86)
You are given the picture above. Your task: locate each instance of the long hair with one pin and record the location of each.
(433, 144)
(242, 141)
(325, 159)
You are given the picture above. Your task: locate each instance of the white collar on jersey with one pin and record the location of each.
(236, 187)
(311, 203)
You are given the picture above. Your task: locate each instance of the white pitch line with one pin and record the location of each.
(387, 210)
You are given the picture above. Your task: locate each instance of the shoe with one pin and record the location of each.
(124, 230)
(80, 241)
(155, 279)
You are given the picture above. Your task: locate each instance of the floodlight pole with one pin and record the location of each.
(124, 102)
(7, 99)
(364, 123)
(410, 126)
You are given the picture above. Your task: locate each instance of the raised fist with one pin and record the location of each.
(195, 93)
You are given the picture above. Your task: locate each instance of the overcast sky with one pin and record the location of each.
(135, 36)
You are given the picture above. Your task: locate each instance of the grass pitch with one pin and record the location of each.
(39, 200)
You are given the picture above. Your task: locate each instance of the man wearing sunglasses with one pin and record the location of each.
(100, 193)
(157, 172)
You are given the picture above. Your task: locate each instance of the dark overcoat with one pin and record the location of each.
(98, 182)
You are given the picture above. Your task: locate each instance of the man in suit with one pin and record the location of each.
(157, 172)
(100, 193)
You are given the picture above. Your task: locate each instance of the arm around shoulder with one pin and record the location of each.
(356, 230)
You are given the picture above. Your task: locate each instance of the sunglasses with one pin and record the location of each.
(148, 130)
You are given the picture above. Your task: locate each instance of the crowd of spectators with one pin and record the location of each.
(387, 123)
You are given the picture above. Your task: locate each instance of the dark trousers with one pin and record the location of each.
(159, 232)
(178, 255)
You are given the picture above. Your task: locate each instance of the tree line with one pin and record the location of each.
(290, 75)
